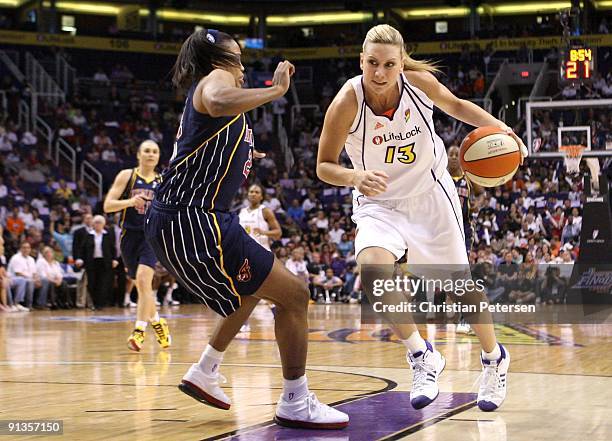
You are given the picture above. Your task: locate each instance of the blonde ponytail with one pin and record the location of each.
(385, 34)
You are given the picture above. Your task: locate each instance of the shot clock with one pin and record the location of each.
(577, 64)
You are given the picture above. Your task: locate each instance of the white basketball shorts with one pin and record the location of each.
(428, 227)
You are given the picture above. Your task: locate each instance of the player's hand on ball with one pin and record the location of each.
(370, 182)
(521, 144)
(282, 76)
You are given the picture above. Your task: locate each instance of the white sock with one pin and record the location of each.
(415, 343)
(169, 293)
(141, 324)
(294, 390)
(126, 298)
(210, 360)
(155, 318)
(493, 355)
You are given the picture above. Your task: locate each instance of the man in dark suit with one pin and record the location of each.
(81, 233)
(98, 254)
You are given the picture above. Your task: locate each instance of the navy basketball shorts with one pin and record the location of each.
(135, 250)
(209, 253)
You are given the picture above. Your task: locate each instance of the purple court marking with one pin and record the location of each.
(372, 418)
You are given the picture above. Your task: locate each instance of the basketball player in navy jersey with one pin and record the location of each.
(465, 189)
(132, 193)
(405, 201)
(196, 238)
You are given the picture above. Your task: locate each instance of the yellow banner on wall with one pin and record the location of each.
(152, 47)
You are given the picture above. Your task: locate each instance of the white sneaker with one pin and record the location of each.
(22, 308)
(309, 413)
(463, 328)
(493, 382)
(427, 367)
(245, 328)
(205, 388)
(14, 308)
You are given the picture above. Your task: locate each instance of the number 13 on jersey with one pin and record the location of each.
(405, 154)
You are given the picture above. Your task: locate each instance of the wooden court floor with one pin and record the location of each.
(74, 366)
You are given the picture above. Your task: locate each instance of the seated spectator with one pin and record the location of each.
(32, 173)
(78, 119)
(101, 76)
(328, 286)
(6, 145)
(109, 154)
(29, 139)
(296, 212)
(321, 221)
(3, 190)
(48, 188)
(297, 265)
(6, 300)
(14, 224)
(336, 233)
(24, 278)
(67, 132)
(26, 215)
(338, 264)
(52, 279)
(63, 194)
(345, 246)
(35, 221)
(553, 286)
(102, 140)
(524, 290)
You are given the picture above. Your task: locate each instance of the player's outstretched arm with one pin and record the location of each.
(458, 108)
(112, 203)
(221, 97)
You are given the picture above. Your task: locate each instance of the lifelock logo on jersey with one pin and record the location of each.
(378, 140)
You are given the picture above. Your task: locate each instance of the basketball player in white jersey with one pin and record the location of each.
(259, 221)
(261, 224)
(404, 200)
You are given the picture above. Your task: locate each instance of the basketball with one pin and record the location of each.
(489, 157)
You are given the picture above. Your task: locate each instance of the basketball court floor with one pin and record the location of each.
(74, 366)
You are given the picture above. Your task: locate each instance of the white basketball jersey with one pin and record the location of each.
(404, 146)
(251, 219)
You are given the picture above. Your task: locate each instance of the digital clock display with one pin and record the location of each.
(578, 64)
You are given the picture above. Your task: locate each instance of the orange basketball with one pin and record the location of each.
(489, 157)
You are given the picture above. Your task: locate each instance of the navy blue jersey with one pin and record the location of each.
(131, 218)
(465, 191)
(212, 157)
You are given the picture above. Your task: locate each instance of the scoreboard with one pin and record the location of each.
(577, 64)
